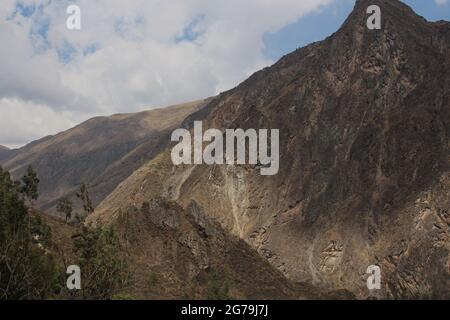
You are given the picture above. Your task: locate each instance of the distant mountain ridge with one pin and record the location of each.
(4, 152)
(100, 152)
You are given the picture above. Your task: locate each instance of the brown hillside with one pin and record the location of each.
(364, 163)
(100, 152)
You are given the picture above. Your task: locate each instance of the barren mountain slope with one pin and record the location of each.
(364, 160)
(181, 253)
(4, 152)
(100, 152)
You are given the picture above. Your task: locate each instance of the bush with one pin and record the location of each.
(27, 268)
(218, 286)
(102, 264)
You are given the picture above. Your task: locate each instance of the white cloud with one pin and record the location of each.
(441, 2)
(23, 121)
(142, 55)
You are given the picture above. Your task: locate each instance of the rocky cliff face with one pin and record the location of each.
(190, 256)
(364, 160)
(100, 152)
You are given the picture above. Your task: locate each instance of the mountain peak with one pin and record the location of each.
(394, 15)
(363, 139)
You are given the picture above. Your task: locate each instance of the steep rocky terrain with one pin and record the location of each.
(364, 160)
(100, 152)
(174, 253)
(182, 253)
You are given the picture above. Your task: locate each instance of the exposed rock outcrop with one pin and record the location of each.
(364, 166)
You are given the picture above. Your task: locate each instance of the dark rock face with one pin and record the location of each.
(193, 256)
(364, 159)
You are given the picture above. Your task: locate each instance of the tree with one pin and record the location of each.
(65, 207)
(83, 195)
(102, 262)
(27, 270)
(30, 184)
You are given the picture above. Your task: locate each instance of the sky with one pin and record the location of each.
(140, 54)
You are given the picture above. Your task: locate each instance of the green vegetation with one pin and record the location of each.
(123, 297)
(83, 195)
(103, 266)
(27, 269)
(218, 286)
(152, 279)
(30, 184)
(30, 268)
(65, 207)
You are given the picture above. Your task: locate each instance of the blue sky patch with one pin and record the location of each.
(319, 25)
(66, 53)
(191, 32)
(25, 10)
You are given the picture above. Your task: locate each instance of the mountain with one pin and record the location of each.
(4, 152)
(100, 152)
(176, 253)
(364, 160)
